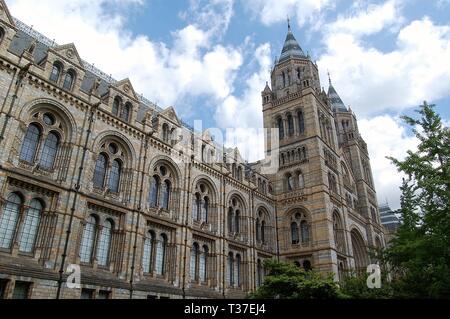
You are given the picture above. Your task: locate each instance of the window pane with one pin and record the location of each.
(87, 242)
(202, 265)
(305, 231)
(104, 244)
(166, 195)
(154, 190)
(294, 233)
(8, 220)
(147, 255)
(100, 171)
(237, 271)
(115, 108)
(114, 177)
(30, 144)
(193, 264)
(102, 294)
(2, 288)
(160, 255)
(230, 271)
(49, 151)
(205, 210)
(126, 112)
(87, 294)
(30, 227)
(21, 290)
(54, 76)
(68, 81)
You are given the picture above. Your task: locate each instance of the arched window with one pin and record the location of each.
(126, 111)
(307, 265)
(230, 220)
(280, 128)
(56, 72)
(166, 189)
(301, 122)
(147, 256)
(289, 182)
(237, 217)
(68, 80)
(114, 176)
(263, 232)
(203, 269)
(104, 243)
(195, 251)
(239, 173)
(230, 268)
(49, 151)
(196, 207)
(301, 180)
(290, 121)
(9, 219)
(237, 271)
(116, 105)
(154, 191)
(294, 233)
(258, 230)
(88, 240)
(338, 232)
(165, 132)
(30, 143)
(260, 273)
(30, 226)
(100, 171)
(205, 210)
(359, 251)
(305, 231)
(161, 254)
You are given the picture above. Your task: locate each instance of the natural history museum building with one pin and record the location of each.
(91, 176)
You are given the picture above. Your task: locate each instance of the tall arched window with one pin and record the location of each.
(147, 255)
(260, 273)
(88, 240)
(237, 220)
(116, 106)
(290, 121)
(126, 111)
(196, 207)
(154, 191)
(301, 180)
(114, 176)
(203, 269)
(289, 182)
(263, 231)
(68, 80)
(165, 131)
(30, 143)
(166, 194)
(49, 151)
(100, 171)
(305, 231)
(301, 122)
(230, 220)
(258, 230)
(30, 226)
(56, 72)
(9, 219)
(195, 251)
(161, 254)
(230, 270)
(237, 270)
(294, 233)
(280, 127)
(104, 243)
(205, 210)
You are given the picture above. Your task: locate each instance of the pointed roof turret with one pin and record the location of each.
(335, 99)
(291, 48)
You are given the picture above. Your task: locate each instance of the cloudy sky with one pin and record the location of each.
(210, 59)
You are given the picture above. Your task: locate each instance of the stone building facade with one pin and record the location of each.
(96, 176)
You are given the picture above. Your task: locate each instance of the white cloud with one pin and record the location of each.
(192, 65)
(386, 136)
(372, 81)
(270, 12)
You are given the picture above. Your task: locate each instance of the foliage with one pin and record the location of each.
(419, 255)
(288, 281)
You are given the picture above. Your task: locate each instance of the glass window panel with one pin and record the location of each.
(294, 233)
(87, 241)
(290, 125)
(237, 217)
(193, 264)
(116, 105)
(280, 128)
(205, 210)
(126, 112)
(237, 271)
(2, 288)
(305, 231)
(166, 194)
(114, 176)
(54, 76)
(30, 143)
(147, 255)
(230, 271)
(104, 244)
(49, 151)
(160, 255)
(8, 220)
(301, 122)
(21, 290)
(202, 265)
(230, 220)
(87, 294)
(100, 171)
(68, 81)
(154, 190)
(30, 227)
(103, 294)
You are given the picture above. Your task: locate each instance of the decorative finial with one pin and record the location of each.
(329, 77)
(289, 23)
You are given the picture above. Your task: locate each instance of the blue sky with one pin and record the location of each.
(210, 58)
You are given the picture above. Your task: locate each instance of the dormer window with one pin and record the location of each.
(56, 72)
(126, 112)
(69, 80)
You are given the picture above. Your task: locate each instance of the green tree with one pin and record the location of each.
(288, 281)
(419, 255)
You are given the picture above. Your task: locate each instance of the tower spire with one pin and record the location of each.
(329, 77)
(289, 22)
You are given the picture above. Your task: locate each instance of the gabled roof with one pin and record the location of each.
(171, 114)
(5, 15)
(291, 48)
(69, 52)
(126, 87)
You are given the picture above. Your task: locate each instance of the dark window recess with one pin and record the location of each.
(152, 297)
(3, 288)
(21, 290)
(102, 294)
(164, 298)
(87, 294)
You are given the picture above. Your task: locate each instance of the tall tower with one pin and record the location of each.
(325, 200)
